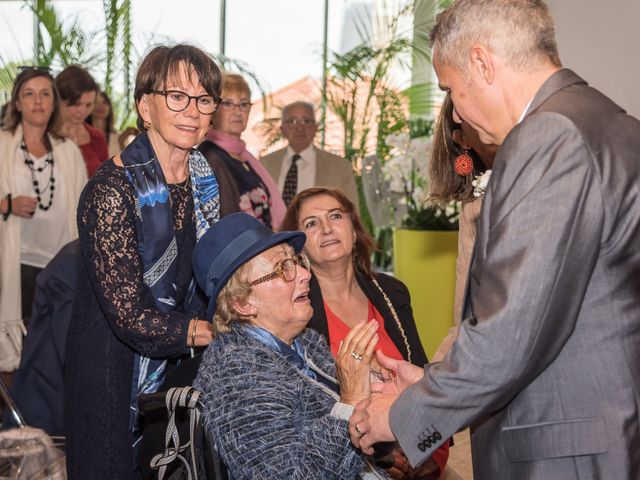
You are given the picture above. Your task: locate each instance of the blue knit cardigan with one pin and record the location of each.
(268, 419)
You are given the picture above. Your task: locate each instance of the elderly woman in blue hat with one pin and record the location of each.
(275, 404)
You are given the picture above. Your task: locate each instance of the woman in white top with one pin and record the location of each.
(41, 177)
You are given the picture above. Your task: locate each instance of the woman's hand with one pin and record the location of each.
(24, 206)
(353, 362)
(402, 469)
(203, 334)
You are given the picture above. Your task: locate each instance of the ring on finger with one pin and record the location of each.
(356, 355)
(357, 429)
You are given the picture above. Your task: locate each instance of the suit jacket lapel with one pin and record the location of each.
(559, 80)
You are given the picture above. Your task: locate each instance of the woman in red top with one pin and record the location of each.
(78, 92)
(344, 292)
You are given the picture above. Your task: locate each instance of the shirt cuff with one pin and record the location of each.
(342, 410)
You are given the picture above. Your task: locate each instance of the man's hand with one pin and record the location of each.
(369, 422)
(404, 374)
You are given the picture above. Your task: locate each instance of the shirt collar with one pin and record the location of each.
(526, 110)
(306, 155)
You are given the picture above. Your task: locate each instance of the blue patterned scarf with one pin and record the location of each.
(157, 243)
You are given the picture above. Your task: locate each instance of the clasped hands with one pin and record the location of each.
(355, 361)
(369, 423)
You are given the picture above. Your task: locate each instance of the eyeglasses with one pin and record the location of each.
(229, 105)
(285, 269)
(178, 101)
(299, 121)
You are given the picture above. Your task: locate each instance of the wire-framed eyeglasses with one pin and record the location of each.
(306, 122)
(229, 105)
(285, 269)
(178, 101)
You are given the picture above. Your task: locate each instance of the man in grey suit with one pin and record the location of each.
(301, 165)
(546, 368)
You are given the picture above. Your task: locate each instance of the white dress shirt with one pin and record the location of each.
(306, 168)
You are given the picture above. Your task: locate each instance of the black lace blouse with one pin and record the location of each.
(115, 316)
(108, 234)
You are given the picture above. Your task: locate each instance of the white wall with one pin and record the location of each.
(600, 40)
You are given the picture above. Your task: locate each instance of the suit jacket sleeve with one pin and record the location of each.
(538, 242)
(348, 185)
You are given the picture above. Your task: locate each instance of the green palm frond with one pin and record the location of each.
(117, 15)
(61, 43)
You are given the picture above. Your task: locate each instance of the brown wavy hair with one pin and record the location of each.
(365, 245)
(73, 82)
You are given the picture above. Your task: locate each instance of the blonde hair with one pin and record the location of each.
(521, 32)
(235, 83)
(236, 289)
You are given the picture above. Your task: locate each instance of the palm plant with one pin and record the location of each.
(117, 14)
(362, 89)
(59, 43)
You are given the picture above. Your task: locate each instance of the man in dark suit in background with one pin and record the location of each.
(301, 165)
(546, 368)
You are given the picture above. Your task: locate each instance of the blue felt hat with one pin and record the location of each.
(231, 241)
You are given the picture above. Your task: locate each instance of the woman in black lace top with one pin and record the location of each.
(138, 220)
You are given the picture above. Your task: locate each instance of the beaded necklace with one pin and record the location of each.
(39, 191)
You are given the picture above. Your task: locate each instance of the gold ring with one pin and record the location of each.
(356, 355)
(357, 429)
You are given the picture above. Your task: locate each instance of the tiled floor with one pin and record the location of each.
(460, 458)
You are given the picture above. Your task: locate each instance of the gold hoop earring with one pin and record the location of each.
(146, 124)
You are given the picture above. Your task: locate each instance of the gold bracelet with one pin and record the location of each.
(193, 332)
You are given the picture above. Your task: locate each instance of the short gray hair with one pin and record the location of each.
(301, 104)
(521, 32)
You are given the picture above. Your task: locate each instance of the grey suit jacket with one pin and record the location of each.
(546, 368)
(331, 171)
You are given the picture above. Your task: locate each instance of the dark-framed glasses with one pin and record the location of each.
(285, 269)
(299, 121)
(229, 105)
(178, 101)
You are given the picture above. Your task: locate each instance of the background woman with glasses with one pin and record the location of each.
(41, 177)
(245, 185)
(274, 401)
(138, 221)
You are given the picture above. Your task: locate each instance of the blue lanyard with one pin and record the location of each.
(294, 353)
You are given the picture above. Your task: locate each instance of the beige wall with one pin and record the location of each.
(600, 40)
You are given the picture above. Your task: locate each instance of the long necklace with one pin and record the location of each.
(37, 188)
(395, 317)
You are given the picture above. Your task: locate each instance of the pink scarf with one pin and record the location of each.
(237, 147)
